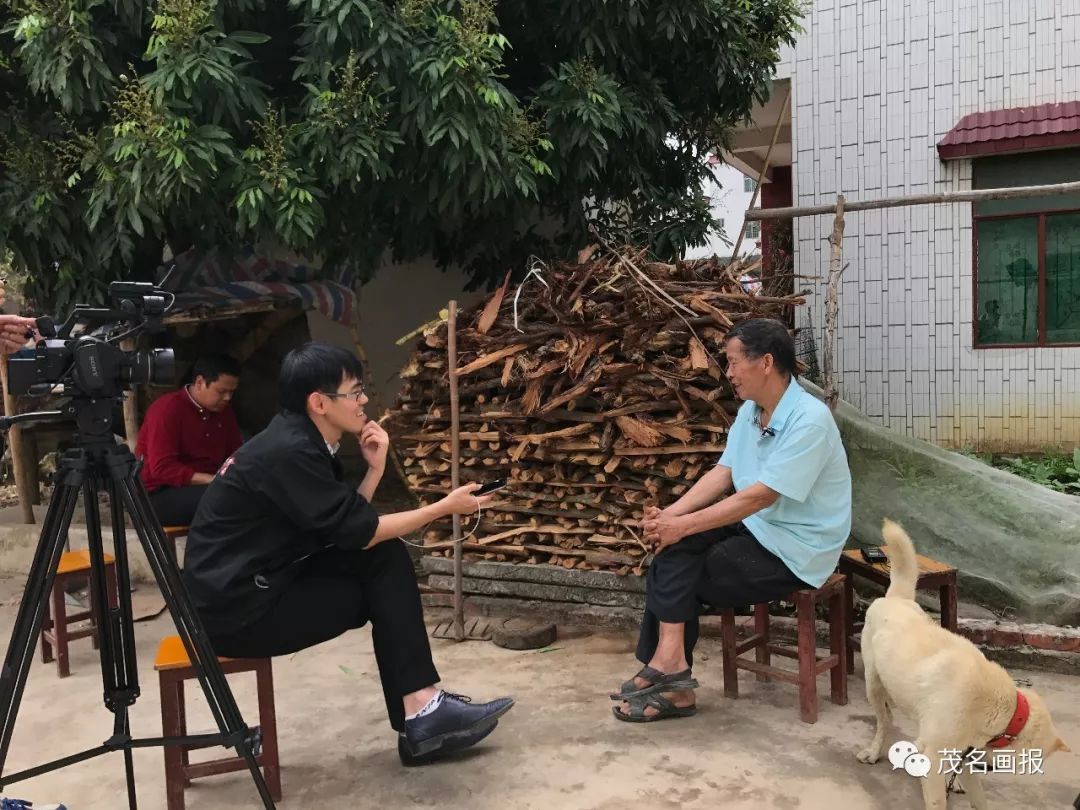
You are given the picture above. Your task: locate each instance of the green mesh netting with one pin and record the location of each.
(1016, 544)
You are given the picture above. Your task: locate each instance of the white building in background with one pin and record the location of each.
(730, 192)
(959, 324)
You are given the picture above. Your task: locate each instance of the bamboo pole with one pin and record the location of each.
(455, 467)
(22, 483)
(832, 305)
(762, 173)
(974, 195)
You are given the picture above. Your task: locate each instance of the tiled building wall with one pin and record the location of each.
(877, 84)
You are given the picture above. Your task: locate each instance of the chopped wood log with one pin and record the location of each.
(490, 359)
(665, 451)
(604, 394)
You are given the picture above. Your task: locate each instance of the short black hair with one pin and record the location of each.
(314, 367)
(212, 366)
(762, 336)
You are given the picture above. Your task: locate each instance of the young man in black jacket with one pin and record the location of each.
(283, 554)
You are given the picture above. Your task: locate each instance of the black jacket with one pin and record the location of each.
(278, 499)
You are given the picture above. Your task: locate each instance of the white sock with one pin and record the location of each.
(429, 707)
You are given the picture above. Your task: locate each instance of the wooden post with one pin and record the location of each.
(131, 404)
(762, 173)
(22, 483)
(30, 465)
(455, 468)
(832, 294)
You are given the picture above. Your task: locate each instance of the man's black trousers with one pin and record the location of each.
(338, 591)
(720, 568)
(176, 506)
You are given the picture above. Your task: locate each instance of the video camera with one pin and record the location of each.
(93, 366)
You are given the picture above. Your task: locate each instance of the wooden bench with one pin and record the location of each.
(810, 665)
(933, 575)
(174, 668)
(74, 567)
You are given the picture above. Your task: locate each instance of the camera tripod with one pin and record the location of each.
(99, 464)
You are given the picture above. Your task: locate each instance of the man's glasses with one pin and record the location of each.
(353, 395)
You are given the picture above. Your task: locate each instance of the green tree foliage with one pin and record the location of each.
(358, 129)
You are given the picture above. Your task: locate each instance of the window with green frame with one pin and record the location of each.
(1027, 253)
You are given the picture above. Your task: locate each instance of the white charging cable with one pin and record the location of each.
(470, 533)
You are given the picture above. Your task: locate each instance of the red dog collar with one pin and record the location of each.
(1016, 725)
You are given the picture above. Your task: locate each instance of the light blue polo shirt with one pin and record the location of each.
(804, 461)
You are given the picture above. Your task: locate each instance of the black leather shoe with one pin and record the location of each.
(411, 761)
(453, 726)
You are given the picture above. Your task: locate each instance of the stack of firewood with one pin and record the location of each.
(595, 387)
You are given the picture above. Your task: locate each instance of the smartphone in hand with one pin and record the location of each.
(491, 486)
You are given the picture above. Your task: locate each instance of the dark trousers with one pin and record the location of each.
(721, 568)
(338, 591)
(175, 506)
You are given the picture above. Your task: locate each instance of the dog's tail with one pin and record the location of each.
(903, 567)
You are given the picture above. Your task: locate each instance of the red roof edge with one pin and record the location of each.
(1019, 129)
(1009, 146)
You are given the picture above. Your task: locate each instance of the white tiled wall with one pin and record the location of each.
(876, 84)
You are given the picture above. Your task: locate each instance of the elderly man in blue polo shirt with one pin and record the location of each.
(781, 529)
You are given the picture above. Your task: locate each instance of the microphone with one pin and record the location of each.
(766, 432)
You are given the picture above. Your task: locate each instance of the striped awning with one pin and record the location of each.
(213, 281)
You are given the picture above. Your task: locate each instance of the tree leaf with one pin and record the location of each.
(249, 37)
(135, 220)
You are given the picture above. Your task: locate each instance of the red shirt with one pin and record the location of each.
(178, 438)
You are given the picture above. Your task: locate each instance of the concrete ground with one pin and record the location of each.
(559, 747)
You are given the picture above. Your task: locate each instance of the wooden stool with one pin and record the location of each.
(172, 533)
(74, 567)
(932, 574)
(174, 667)
(810, 666)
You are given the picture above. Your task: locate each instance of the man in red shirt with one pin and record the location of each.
(186, 436)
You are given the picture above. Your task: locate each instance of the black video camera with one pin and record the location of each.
(91, 364)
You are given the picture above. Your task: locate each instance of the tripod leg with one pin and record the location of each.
(129, 765)
(24, 633)
(219, 696)
(112, 607)
(126, 618)
(111, 588)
